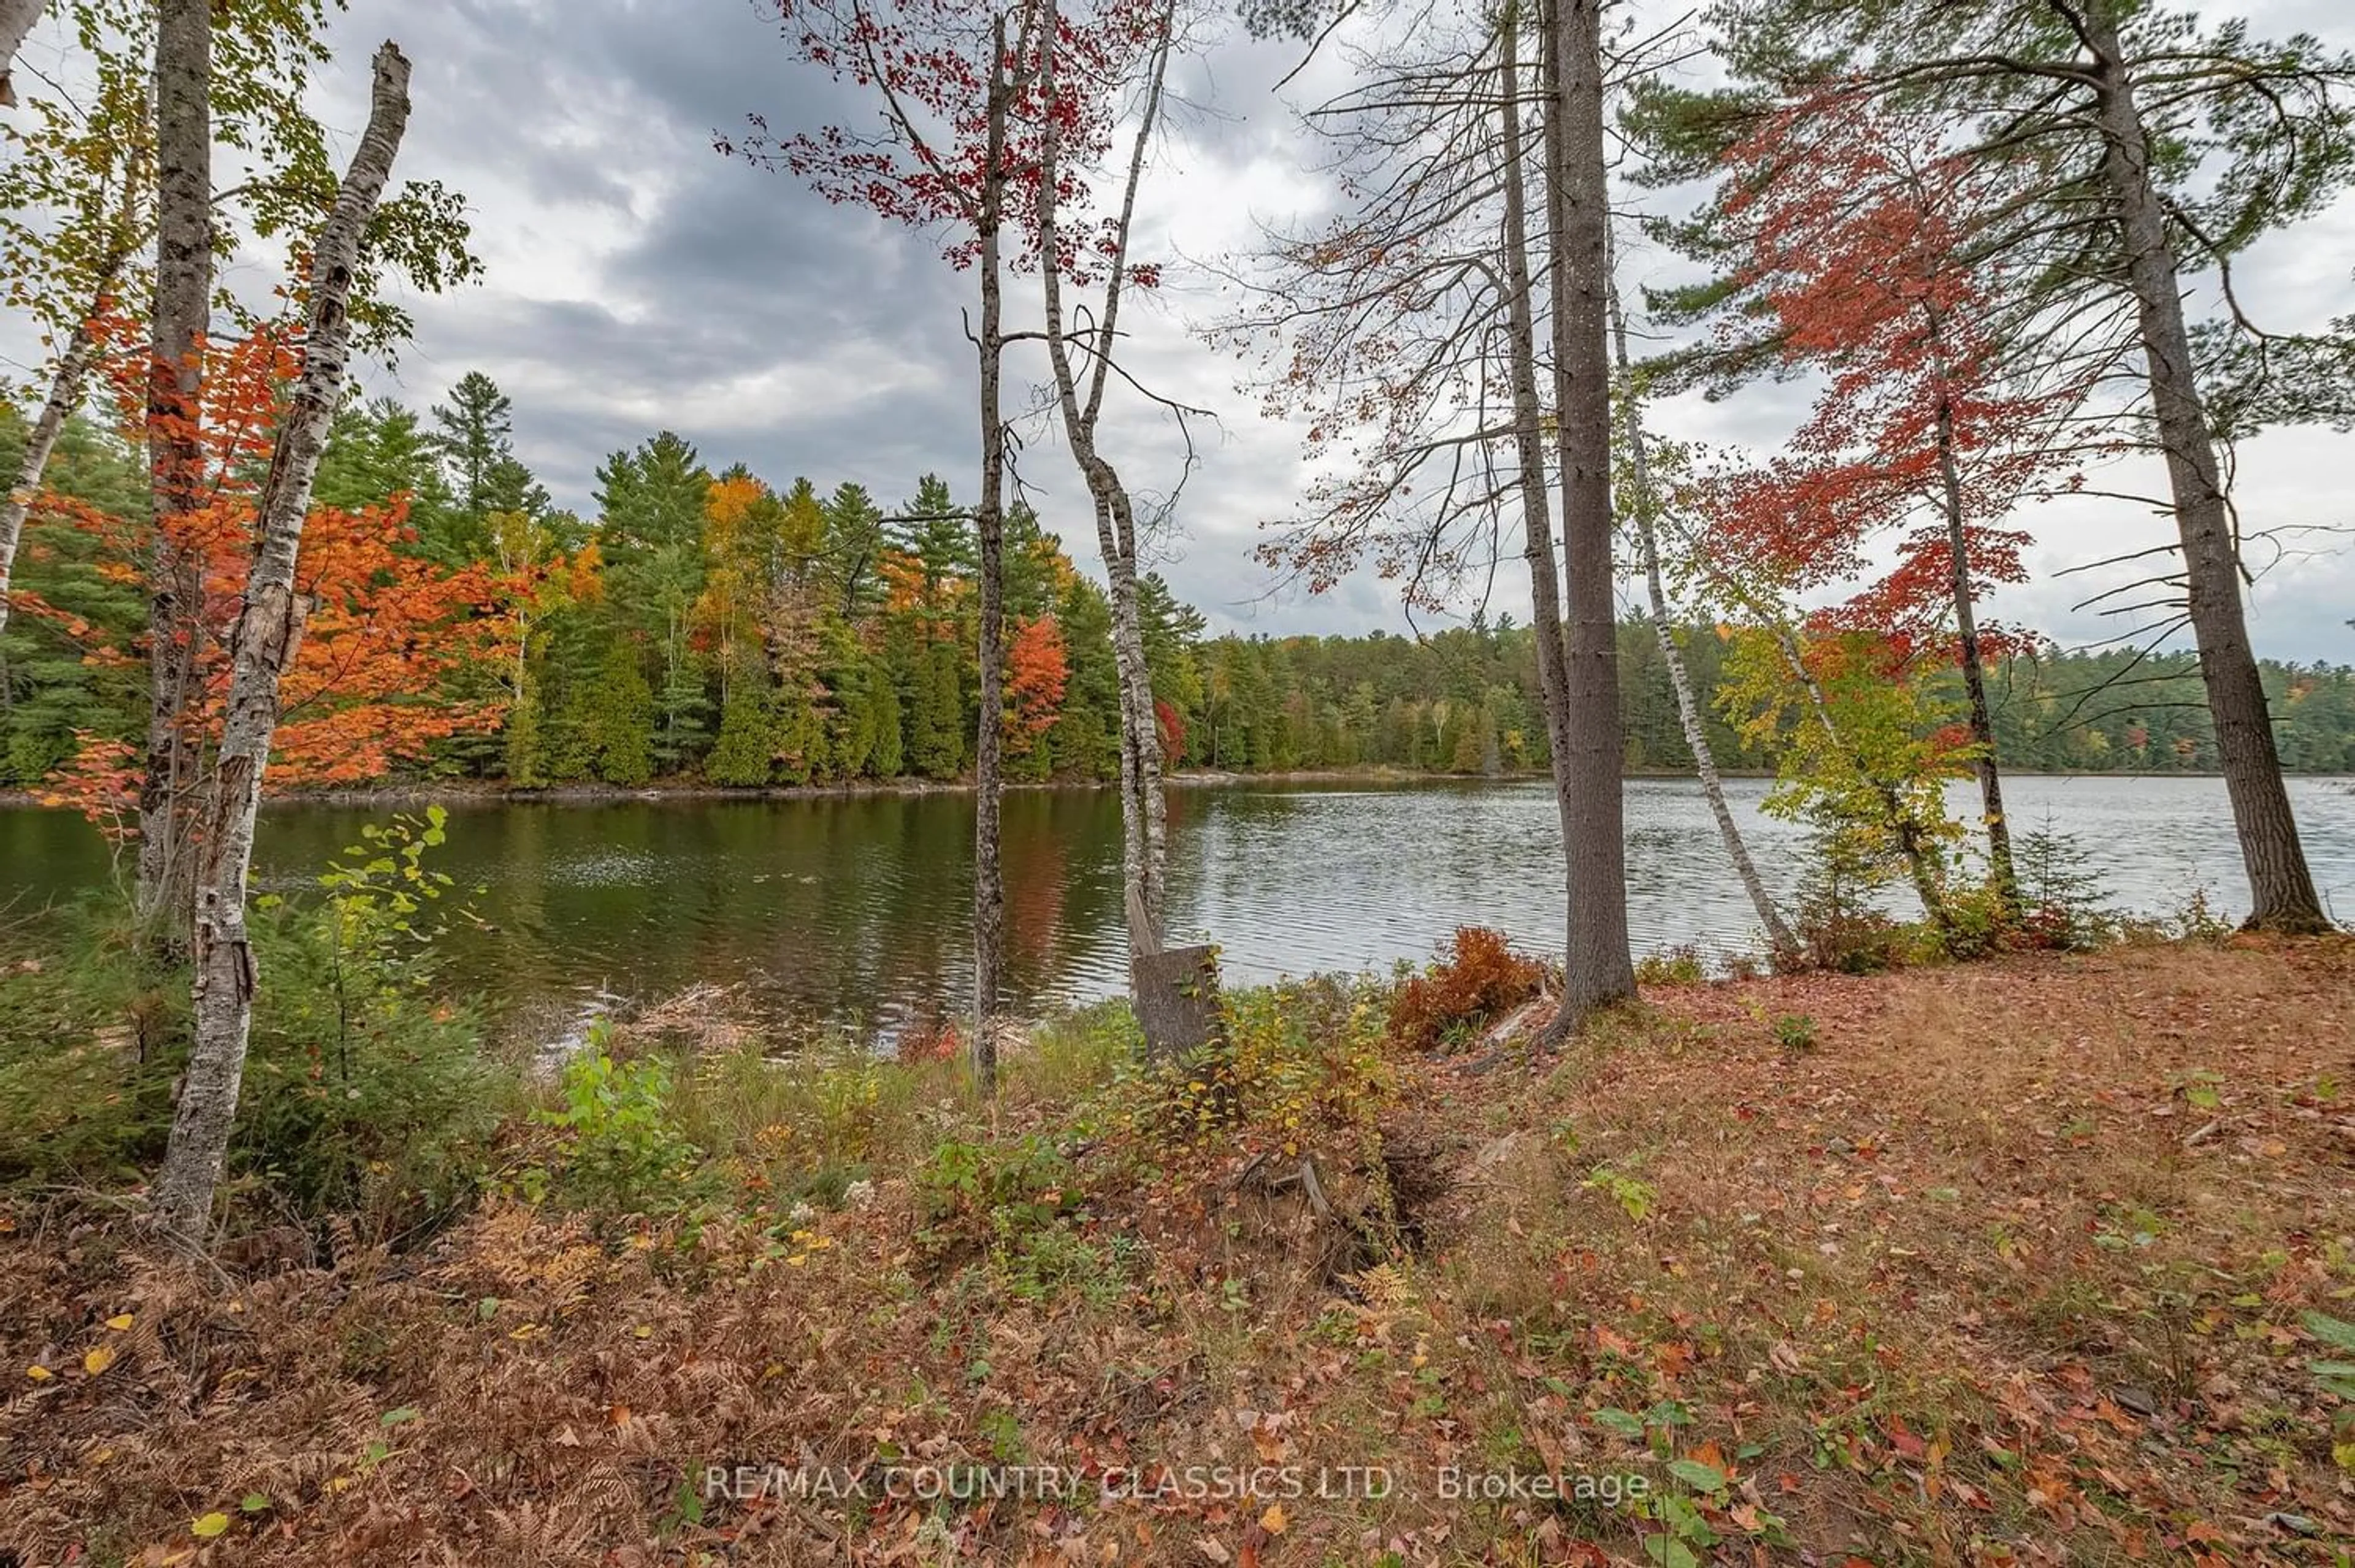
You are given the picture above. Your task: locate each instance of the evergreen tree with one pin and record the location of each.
(890, 751)
(474, 437)
(742, 755)
(378, 449)
(854, 542)
(651, 509)
(621, 718)
(49, 692)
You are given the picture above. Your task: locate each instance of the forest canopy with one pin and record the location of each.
(706, 626)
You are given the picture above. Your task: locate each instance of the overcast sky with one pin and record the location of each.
(637, 280)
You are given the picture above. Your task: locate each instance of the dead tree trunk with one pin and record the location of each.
(2281, 888)
(269, 629)
(176, 462)
(1597, 968)
(16, 19)
(1643, 508)
(1143, 823)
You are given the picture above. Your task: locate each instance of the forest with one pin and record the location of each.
(713, 628)
(1953, 1209)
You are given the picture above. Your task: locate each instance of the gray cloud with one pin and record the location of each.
(637, 279)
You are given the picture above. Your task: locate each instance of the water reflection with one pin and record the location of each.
(859, 907)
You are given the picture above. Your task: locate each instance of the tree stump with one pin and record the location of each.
(1177, 1000)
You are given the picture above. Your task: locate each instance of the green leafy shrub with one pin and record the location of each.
(622, 1150)
(365, 1093)
(1301, 1060)
(989, 1193)
(1678, 965)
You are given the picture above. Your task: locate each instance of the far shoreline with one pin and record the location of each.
(497, 792)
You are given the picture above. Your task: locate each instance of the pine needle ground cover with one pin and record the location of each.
(2041, 1260)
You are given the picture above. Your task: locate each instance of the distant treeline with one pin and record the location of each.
(710, 627)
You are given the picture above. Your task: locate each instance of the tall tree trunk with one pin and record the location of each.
(1143, 823)
(1597, 968)
(2281, 888)
(1642, 507)
(269, 629)
(989, 523)
(1528, 431)
(176, 462)
(1967, 631)
(16, 19)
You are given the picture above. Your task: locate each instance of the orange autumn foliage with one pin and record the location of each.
(384, 628)
(1479, 981)
(1037, 668)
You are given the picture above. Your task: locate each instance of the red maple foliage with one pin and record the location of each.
(1861, 228)
(931, 63)
(384, 628)
(1172, 725)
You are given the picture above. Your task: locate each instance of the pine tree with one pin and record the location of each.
(474, 437)
(651, 504)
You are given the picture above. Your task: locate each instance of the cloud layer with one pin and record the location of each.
(637, 279)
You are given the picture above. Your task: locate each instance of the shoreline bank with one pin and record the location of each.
(494, 792)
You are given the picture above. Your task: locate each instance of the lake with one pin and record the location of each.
(858, 907)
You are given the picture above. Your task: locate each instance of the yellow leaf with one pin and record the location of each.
(99, 1359)
(39, 1374)
(210, 1525)
(1273, 1521)
(120, 1322)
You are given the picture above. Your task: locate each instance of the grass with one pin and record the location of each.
(2006, 1263)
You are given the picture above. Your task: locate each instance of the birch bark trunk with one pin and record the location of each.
(1144, 823)
(2281, 887)
(1642, 507)
(176, 461)
(269, 630)
(67, 385)
(16, 19)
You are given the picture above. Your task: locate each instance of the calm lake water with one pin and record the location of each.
(858, 907)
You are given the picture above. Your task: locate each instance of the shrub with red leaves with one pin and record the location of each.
(1481, 980)
(931, 1042)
